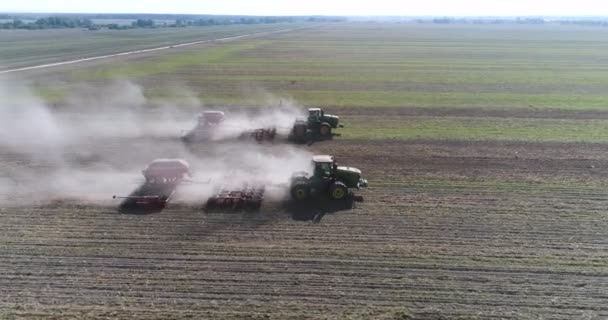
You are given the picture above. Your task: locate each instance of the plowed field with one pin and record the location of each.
(488, 229)
(487, 199)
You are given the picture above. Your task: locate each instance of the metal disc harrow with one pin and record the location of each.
(260, 135)
(247, 197)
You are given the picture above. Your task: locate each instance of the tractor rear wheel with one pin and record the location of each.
(325, 130)
(338, 191)
(299, 132)
(300, 191)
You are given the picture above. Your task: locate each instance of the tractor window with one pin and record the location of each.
(323, 169)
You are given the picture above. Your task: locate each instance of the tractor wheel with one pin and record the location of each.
(299, 132)
(338, 191)
(325, 130)
(300, 191)
(187, 138)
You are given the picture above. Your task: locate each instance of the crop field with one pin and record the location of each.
(485, 150)
(32, 47)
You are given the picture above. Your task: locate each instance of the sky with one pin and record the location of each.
(321, 7)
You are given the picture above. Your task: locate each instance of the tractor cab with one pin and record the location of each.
(315, 112)
(210, 118)
(315, 116)
(324, 166)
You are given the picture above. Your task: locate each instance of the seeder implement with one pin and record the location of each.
(162, 178)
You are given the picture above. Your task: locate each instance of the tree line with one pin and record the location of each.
(48, 23)
(518, 20)
(146, 21)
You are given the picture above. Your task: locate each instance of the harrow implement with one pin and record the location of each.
(260, 135)
(227, 198)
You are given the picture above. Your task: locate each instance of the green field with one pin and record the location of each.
(519, 69)
(476, 129)
(401, 66)
(31, 47)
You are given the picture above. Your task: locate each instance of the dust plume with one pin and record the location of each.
(280, 117)
(236, 165)
(58, 153)
(96, 144)
(279, 112)
(121, 110)
(25, 121)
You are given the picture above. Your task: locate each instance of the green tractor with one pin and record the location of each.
(328, 179)
(318, 126)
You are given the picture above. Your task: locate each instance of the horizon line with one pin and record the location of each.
(322, 15)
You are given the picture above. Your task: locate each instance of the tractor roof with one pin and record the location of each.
(211, 116)
(314, 109)
(213, 112)
(323, 158)
(169, 163)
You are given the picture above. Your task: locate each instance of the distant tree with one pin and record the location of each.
(143, 23)
(17, 23)
(144, 20)
(442, 20)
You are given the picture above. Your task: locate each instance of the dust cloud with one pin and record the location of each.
(96, 144)
(240, 164)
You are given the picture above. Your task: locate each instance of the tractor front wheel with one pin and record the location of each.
(325, 130)
(300, 192)
(338, 191)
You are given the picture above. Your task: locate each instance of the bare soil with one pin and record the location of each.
(448, 229)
